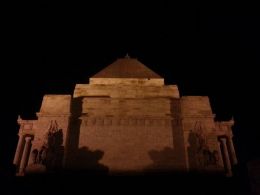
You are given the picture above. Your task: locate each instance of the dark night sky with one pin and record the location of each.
(212, 50)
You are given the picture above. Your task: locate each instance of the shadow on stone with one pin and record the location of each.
(200, 157)
(49, 157)
(72, 140)
(55, 150)
(165, 161)
(87, 161)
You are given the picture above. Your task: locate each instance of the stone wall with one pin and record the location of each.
(127, 81)
(129, 134)
(125, 129)
(122, 91)
(51, 126)
(127, 144)
(201, 141)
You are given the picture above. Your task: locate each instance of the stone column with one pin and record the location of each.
(26, 152)
(19, 150)
(30, 159)
(186, 145)
(232, 151)
(221, 159)
(226, 157)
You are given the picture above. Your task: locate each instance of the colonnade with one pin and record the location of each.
(22, 153)
(228, 154)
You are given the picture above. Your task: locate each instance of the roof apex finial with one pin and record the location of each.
(127, 55)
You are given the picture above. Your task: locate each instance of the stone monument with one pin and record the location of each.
(126, 120)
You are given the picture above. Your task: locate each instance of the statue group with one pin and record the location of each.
(205, 156)
(200, 153)
(51, 152)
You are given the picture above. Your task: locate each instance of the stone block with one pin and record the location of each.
(56, 104)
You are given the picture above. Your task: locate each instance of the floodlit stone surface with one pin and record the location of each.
(125, 120)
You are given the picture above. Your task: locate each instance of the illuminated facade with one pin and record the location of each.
(125, 120)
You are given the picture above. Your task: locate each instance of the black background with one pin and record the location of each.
(210, 50)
